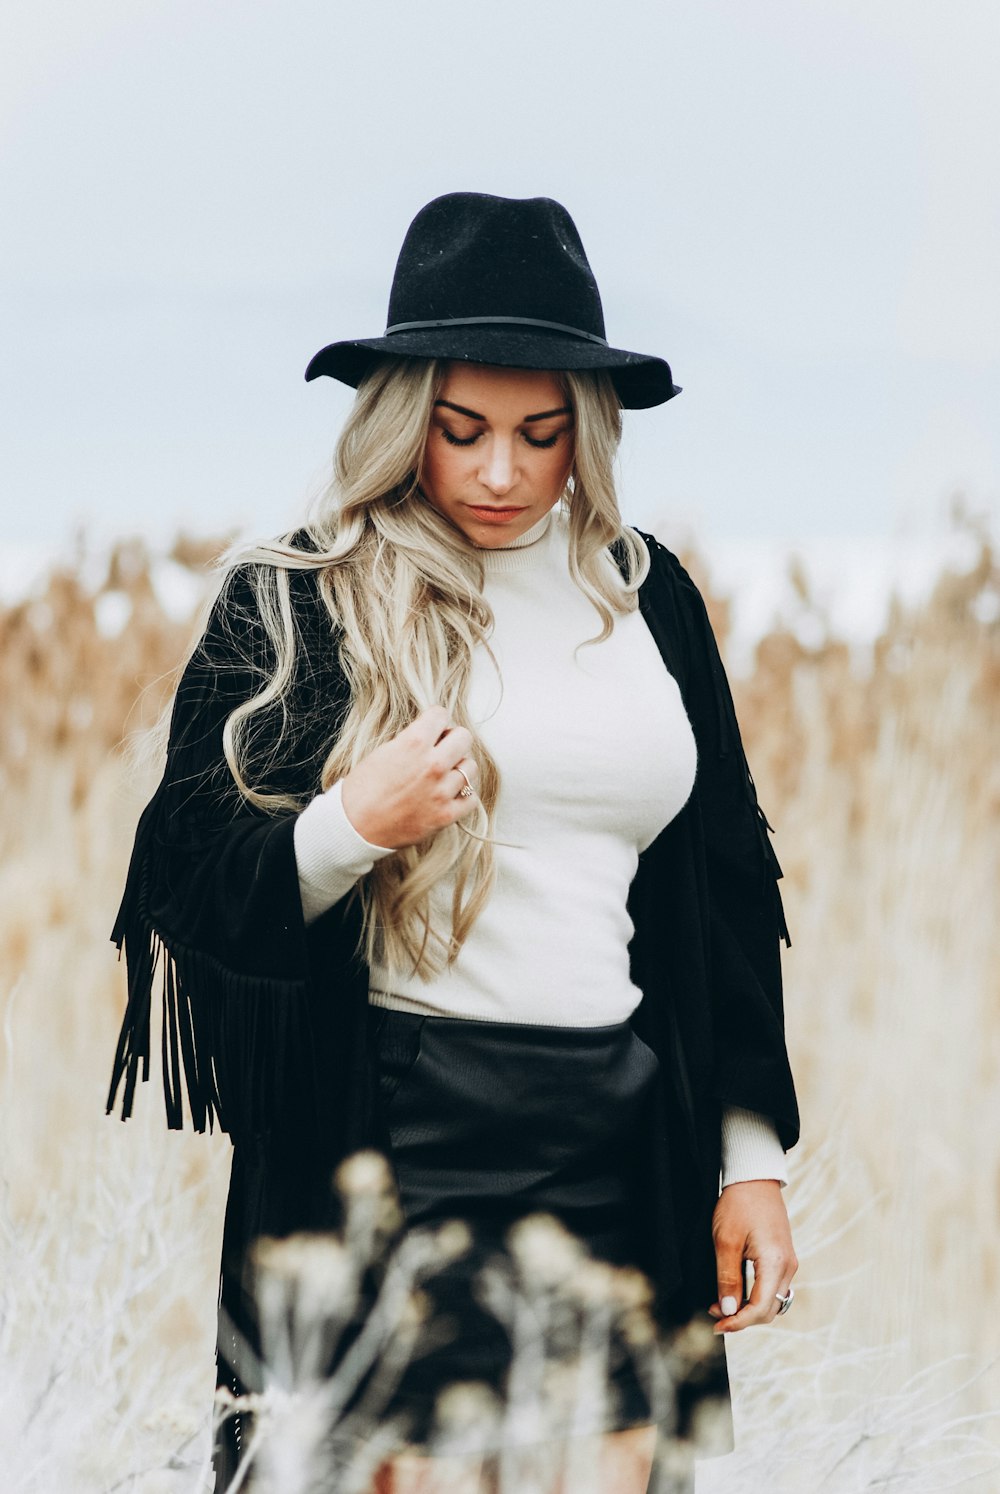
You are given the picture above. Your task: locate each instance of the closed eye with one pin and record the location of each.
(539, 443)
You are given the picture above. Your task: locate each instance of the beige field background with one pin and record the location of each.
(881, 775)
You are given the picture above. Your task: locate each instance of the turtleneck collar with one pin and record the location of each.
(522, 552)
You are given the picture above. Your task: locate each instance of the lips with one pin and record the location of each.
(494, 515)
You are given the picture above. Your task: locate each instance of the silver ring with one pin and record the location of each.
(785, 1302)
(468, 792)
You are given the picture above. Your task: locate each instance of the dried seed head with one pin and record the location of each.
(593, 1283)
(465, 1406)
(453, 1239)
(544, 1249)
(637, 1328)
(631, 1288)
(365, 1173)
(318, 1263)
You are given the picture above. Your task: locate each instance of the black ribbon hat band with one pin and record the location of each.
(498, 321)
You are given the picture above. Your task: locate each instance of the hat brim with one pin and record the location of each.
(641, 381)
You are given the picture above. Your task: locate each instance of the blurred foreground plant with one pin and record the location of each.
(333, 1352)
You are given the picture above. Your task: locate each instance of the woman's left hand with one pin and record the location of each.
(750, 1223)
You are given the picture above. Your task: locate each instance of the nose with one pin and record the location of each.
(497, 472)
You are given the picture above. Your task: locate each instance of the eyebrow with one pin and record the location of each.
(473, 415)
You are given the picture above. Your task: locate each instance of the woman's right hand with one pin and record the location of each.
(410, 787)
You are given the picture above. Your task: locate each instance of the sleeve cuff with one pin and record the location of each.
(750, 1148)
(329, 853)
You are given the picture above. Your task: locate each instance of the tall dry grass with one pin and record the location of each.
(883, 780)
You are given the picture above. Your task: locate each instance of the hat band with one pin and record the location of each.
(494, 321)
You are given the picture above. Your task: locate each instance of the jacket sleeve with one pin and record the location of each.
(211, 915)
(746, 918)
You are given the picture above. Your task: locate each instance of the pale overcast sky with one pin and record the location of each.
(797, 202)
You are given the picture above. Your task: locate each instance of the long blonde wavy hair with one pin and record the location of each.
(404, 591)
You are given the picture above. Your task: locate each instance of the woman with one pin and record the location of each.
(456, 837)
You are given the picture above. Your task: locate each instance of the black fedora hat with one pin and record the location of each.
(499, 280)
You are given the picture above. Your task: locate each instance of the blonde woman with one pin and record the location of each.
(457, 853)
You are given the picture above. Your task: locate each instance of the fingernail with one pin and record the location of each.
(728, 1305)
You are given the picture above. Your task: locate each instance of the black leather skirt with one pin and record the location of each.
(489, 1123)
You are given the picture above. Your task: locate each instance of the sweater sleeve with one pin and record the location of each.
(330, 854)
(750, 1148)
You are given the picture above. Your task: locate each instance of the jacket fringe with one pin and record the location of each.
(227, 1038)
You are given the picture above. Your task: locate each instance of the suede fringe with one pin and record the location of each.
(232, 1041)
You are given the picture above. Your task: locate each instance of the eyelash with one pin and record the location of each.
(452, 440)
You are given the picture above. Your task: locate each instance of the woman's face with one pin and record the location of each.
(499, 450)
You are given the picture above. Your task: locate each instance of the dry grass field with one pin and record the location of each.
(883, 779)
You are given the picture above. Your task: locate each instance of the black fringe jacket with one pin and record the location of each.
(264, 1020)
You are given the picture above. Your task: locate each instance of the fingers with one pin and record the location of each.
(454, 747)
(772, 1278)
(447, 779)
(729, 1266)
(415, 784)
(750, 1225)
(452, 755)
(761, 1306)
(453, 766)
(431, 725)
(466, 775)
(451, 743)
(453, 786)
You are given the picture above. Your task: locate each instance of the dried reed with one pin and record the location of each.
(884, 782)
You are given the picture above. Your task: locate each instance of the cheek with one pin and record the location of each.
(557, 470)
(441, 470)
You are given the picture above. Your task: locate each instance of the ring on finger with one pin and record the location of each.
(468, 792)
(784, 1303)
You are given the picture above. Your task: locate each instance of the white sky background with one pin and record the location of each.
(797, 202)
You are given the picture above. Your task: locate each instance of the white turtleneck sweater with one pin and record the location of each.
(596, 755)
